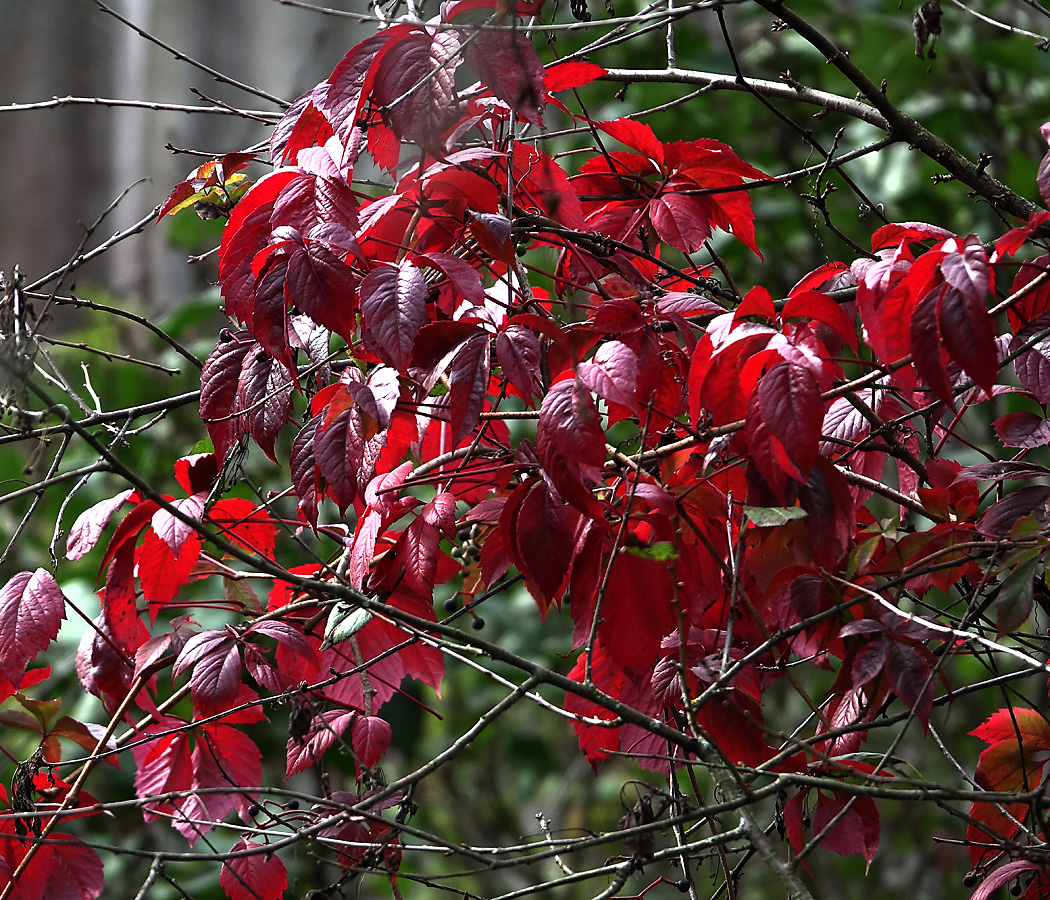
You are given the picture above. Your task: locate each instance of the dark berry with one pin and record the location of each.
(970, 880)
(1015, 890)
(451, 605)
(478, 623)
(292, 804)
(683, 886)
(463, 534)
(225, 336)
(254, 810)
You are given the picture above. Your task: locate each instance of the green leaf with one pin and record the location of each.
(344, 622)
(769, 516)
(662, 551)
(1013, 602)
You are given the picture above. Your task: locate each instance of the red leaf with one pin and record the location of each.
(32, 607)
(370, 737)
(393, 305)
(67, 869)
(540, 530)
(968, 334)
(856, 832)
(931, 361)
(259, 875)
(324, 731)
(895, 234)
(680, 219)
(573, 74)
(223, 758)
(163, 765)
(90, 524)
(541, 184)
(570, 442)
(246, 233)
(784, 418)
(636, 135)
(162, 573)
(173, 530)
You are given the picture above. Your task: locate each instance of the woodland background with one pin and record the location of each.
(987, 92)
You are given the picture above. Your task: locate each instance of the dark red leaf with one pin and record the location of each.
(468, 385)
(784, 418)
(323, 287)
(856, 831)
(507, 63)
(259, 875)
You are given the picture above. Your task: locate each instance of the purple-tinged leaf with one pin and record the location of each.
(220, 379)
(965, 267)
(323, 287)
(612, 374)
(338, 450)
(1002, 470)
(519, 354)
(303, 470)
(264, 397)
(90, 524)
(686, 303)
(1011, 871)
(32, 607)
(393, 305)
(344, 95)
(460, 274)
(1033, 364)
(324, 731)
(507, 63)
(215, 663)
(468, 385)
(416, 83)
(378, 397)
(681, 220)
(1023, 429)
(999, 519)
(968, 334)
(173, 530)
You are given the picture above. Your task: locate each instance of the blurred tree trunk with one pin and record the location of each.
(64, 166)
